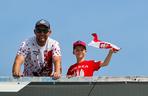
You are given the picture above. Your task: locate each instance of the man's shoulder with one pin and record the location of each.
(29, 39)
(52, 41)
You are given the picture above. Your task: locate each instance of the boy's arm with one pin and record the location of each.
(108, 58)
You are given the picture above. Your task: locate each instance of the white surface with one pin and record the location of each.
(12, 86)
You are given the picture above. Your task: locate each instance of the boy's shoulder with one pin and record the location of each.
(86, 62)
(89, 61)
(93, 62)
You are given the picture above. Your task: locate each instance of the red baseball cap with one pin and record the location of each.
(79, 43)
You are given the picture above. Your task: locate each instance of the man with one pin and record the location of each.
(83, 67)
(38, 53)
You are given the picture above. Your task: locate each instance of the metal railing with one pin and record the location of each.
(76, 79)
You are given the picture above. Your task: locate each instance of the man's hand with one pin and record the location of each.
(56, 75)
(16, 73)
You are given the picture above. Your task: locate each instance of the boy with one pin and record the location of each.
(84, 67)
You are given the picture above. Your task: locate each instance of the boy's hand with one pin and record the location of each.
(113, 51)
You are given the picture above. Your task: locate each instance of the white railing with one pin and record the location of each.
(76, 79)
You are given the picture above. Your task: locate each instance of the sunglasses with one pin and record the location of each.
(39, 30)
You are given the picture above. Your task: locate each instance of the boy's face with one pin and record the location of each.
(79, 51)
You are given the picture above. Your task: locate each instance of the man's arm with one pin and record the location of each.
(57, 67)
(16, 70)
(108, 58)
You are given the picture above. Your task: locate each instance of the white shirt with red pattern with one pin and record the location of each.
(38, 60)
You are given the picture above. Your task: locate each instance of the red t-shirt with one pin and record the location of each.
(85, 68)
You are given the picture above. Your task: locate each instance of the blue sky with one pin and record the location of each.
(121, 22)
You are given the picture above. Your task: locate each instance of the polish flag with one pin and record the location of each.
(102, 44)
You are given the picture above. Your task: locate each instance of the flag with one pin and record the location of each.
(102, 44)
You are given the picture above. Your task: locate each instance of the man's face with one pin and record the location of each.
(79, 51)
(42, 33)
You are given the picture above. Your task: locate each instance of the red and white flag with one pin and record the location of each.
(102, 44)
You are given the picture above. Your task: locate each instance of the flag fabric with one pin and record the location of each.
(102, 44)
